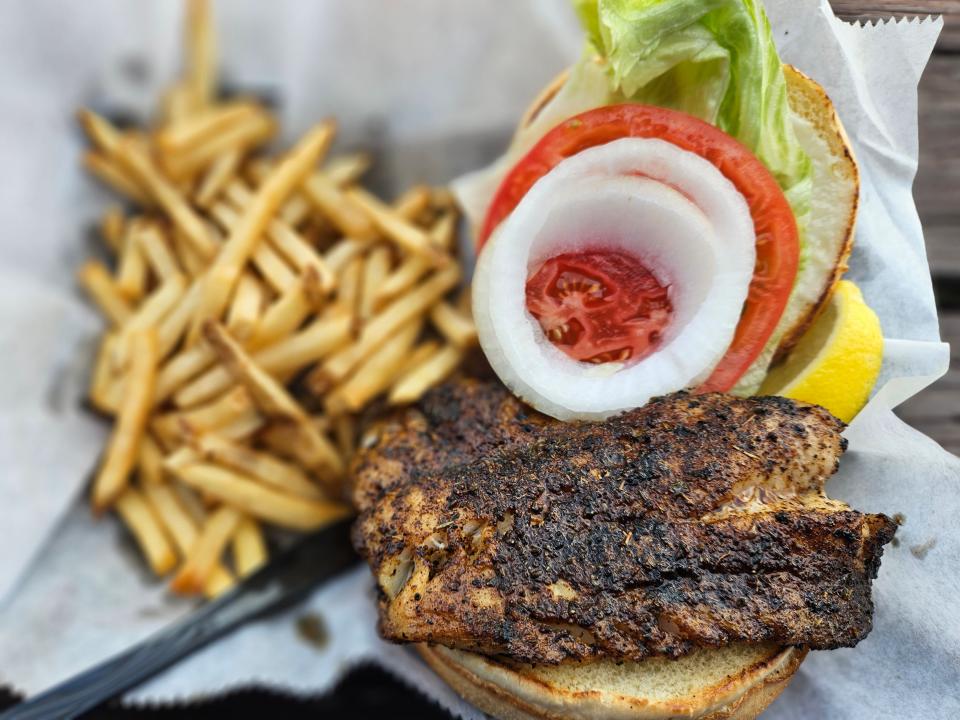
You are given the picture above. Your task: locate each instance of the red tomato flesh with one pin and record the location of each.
(778, 244)
(599, 306)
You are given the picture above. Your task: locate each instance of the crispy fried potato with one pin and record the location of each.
(206, 550)
(100, 286)
(248, 547)
(150, 536)
(261, 502)
(124, 445)
(419, 379)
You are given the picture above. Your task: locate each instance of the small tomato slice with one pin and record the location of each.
(778, 243)
(599, 306)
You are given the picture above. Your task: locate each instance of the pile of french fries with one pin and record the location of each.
(238, 277)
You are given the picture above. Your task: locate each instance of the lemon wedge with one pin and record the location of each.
(837, 361)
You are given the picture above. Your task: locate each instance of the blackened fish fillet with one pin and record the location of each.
(694, 521)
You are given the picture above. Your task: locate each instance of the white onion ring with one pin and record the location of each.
(697, 236)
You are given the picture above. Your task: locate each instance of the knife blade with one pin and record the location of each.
(278, 585)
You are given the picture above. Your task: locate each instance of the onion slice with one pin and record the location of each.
(672, 209)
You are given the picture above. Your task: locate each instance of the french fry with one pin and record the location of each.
(316, 341)
(100, 131)
(188, 363)
(375, 374)
(157, 305)
(301, 254)
(398, 229)
(100, 286)
(124, 444)
(216, 177)
(270, 264)
(259, 501)
(243, 239)
(206, 551)
(340, 255)
(284, 315)
(374, 272)
(242, 428)
(150, 462)
(418, 380)
(176, 104)
(181, 457)
(201, 54)
(112, 224)
(346, 169)
(415, 266)
(338, 207)
(453, 325)
(249, 548)
(286, 240)
(418, 355)
(262, 466)
(174, 324)
(443, 199)
(342, 170)
(270, 395)
(156, 251)
(215, 414)
(132, 267)
(385, 323)
(169, 510)
(142, 523)
(246, 133)
(219, 582)
(295, 210)
(244, 311)
(190, 258)
(203, 127)
(167, 196)
(350, 288)
(444, 231)
(411, 204)
(105, 387)
(115, 177)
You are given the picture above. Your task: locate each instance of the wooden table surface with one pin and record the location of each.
(935, 411)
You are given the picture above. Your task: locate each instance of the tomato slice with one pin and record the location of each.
(599, 306)
(778, 243)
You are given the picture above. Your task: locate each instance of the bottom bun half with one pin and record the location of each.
(736, 682)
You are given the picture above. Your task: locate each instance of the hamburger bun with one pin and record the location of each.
(736, 682)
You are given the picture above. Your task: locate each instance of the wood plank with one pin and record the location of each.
(942, 235)
(938, 178)
(882, 9)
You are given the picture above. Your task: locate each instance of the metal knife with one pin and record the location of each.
(283, 581)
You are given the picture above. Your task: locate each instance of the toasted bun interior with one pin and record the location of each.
(738, 681)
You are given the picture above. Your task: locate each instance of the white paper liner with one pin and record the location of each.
(415, 86)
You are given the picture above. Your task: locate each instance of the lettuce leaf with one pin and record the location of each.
(714, 59)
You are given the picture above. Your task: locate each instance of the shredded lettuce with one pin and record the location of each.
(714, 59)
